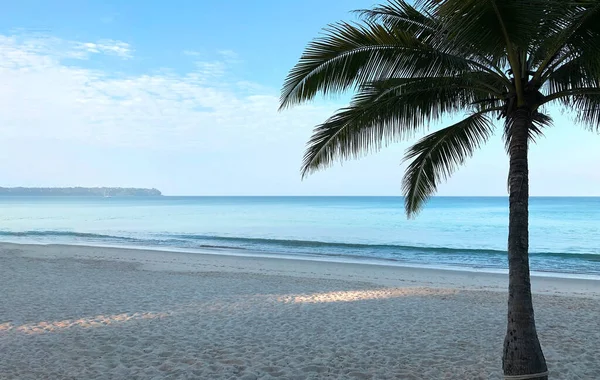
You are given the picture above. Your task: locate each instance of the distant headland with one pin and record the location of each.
(80, 191)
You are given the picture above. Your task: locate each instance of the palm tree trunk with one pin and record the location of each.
(522, 352)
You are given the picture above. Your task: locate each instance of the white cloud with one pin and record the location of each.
(209, 70)
(201, 111)
(42, 96)
(110, 47)
(44, 46)
(229, 56)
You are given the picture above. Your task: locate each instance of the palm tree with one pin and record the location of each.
(492, 59)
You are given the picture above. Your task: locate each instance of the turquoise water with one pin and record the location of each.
(450, 232)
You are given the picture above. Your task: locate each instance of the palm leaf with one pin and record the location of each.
(582, 35)
(502, 30)
(577, 33)
(580, 72)
(384, 112)
(587, 108)
(352, 55)
(400, 14)
(539, 121)
(436, 157)
(491, 25)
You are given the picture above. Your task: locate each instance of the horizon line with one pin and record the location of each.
(375, 196)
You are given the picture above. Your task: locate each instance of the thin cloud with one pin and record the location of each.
(109, 47)
(43, 97)
(44, 45)
(191, 53)
(229, 56)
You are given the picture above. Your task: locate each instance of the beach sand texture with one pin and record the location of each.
(99, 313)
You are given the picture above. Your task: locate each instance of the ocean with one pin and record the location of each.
(451, 232)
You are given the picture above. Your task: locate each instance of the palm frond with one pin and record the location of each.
(539, 121)
(582, 35)
(500, 29)
(575, 31)
(351, 55)
(587, 110)
(579, 72)
(436, 157)
(386, 111)
(578, 91)
(398, 14)
(492, 25)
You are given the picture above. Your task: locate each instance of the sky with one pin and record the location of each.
(183, 96)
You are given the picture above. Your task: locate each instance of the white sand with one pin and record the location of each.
(99, 313)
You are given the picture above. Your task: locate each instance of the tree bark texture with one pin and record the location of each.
(522, 351)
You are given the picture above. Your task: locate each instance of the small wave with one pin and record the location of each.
(61, 234)
(335, 245)
(378, 247)
(384, 251)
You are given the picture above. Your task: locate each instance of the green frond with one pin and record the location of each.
(582, 34)
(572, 33)
(587, 110)
(500, 30)
(490, 26)
(346, 55)
(568, 97)
(579, 72)
(398, 14)
(436, 157)
(539, 121)
(570, 75)
(384, 112)
(581, 95)
(351, 55)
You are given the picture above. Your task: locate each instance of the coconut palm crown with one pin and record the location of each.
(500, 62)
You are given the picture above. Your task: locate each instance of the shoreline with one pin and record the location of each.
(380, 273)
(337, 258)
(544, 263)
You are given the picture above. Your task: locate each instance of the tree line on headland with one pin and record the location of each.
(80, 191)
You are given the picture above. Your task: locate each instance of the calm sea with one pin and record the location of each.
(450, 232)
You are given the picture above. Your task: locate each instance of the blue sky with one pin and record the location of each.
(182, 95)
(269, 35)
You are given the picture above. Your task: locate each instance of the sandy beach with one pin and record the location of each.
(70, 312)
